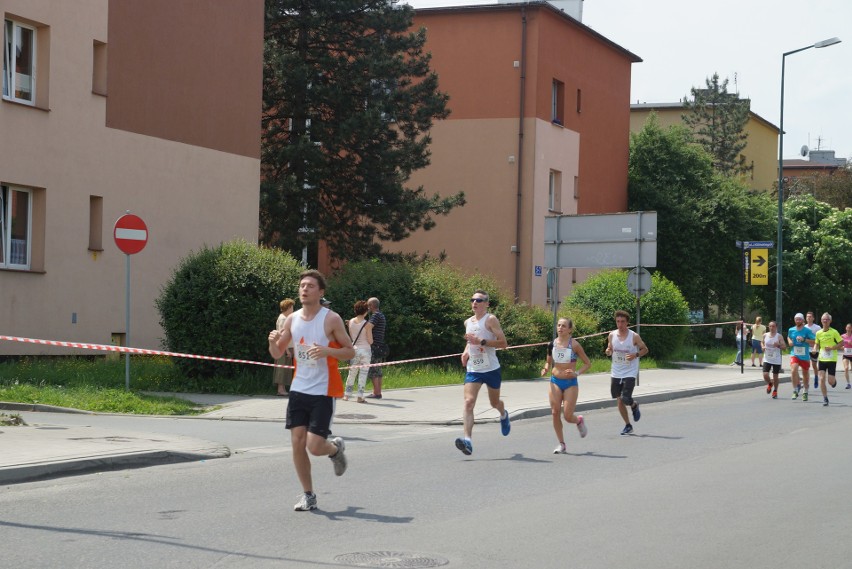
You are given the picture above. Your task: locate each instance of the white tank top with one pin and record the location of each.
(772, 348)
(620, 366)
(312, 376)
(482, 358)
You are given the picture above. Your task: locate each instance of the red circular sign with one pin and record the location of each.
(130, 234)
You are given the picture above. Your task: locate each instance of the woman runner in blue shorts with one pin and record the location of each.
(562, 355)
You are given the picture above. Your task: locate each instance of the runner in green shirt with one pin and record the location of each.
(828, 341)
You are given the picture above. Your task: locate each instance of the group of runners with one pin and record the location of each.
(811, 347)
(319, 341)
(318, 338)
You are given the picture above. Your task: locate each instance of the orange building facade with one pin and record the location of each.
(539, 125)
(151, 106)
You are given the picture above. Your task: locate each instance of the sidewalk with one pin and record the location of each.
(46, 450)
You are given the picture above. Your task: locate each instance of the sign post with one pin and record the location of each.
(755, 271)
(131, 236)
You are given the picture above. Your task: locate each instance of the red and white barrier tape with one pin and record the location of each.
(146, 352)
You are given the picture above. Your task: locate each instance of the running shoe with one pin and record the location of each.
(768, 388)
(636, 413)
(825, 401)
(849, 386)
(306, 503)
(505, 426)
(339, 458)
(805, 396)
(581, 426)
(816, 384)
(464, 445)
(833, 385)
(628, 428)
(775, 394)
(795, 394)
(560, 449)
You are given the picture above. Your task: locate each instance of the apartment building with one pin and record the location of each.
(109, 106)
(539, 125)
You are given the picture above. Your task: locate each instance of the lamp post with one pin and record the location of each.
(780, 268)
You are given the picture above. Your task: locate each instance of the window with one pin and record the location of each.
(557, 103)
(96, 223)
(15, 227)
(19, 57)
(576, 187)
(99, 68)
(579, 101)
(554, 191)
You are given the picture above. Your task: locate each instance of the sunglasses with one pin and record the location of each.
(478, 300)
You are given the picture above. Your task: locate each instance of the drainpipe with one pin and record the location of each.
(520, 153)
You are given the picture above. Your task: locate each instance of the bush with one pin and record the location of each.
(223, 302)
(602, 294)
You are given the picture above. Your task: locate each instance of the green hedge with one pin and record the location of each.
(223, 301)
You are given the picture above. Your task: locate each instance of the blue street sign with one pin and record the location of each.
(538, 270)
(758, 244)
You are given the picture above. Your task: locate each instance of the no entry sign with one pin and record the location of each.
(130, 233)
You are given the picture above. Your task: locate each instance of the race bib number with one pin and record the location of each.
(302, 357)
(619, 357)
(479, 361)
(773, 353)
(800, 351)
(562, 355)
(847, 351)
(827, 355)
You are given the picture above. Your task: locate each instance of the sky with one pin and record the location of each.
(683, 42)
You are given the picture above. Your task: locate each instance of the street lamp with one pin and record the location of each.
(780, 245)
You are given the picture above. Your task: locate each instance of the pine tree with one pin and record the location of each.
(717, 119)
(348, 102)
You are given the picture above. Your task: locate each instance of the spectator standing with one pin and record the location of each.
(361, 332)
(757, 332)
(380, 349)
(283, 376)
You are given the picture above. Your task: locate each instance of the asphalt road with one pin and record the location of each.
(728, 480)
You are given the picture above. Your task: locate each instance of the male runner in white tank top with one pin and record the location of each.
(625, 347)
(483, 335)
(319, 340)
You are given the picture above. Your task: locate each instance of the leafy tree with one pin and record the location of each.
(700, 214)
(717, 119)
(224, 301)
(348, 101)
(817, 260)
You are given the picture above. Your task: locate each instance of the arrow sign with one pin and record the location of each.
(758, 274)
(130, 234)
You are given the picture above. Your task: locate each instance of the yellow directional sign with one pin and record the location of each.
(759, 267)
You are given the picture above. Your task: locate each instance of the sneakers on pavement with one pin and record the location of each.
(768, 388)
(825, 401)
(581, 426)
(464, 445)
(805, 396)
(338, 459)
(505, 426)
(795, 394)
(775, 394)
(849, 386)
(636, 413)
(628, 428)
(306, 503)
(560, 449)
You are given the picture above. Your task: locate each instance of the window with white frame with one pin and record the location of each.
(19, 57)
(15, 227)
(557, 102)
(554, 191)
